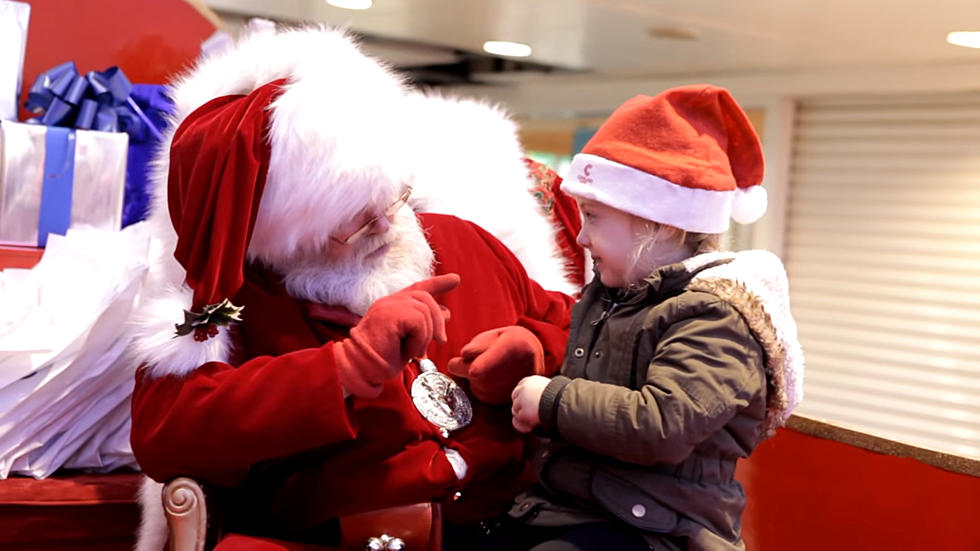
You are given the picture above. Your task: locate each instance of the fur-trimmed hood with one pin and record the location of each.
(755, 283)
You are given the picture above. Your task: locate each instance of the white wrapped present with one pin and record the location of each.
(53, 178)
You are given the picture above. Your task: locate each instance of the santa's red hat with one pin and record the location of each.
(687, 157)
(274, 144)
(219, 159)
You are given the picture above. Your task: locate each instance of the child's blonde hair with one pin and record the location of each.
(649, 233)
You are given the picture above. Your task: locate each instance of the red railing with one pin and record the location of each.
(815, 486)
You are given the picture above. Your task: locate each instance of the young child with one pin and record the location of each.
(681, 358)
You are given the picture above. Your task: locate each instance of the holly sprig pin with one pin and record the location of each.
(205, 324)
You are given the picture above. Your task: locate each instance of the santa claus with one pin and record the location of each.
(312, 344)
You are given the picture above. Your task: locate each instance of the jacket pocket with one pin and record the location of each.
(632, 505)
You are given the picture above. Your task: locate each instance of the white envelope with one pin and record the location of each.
(65, 400)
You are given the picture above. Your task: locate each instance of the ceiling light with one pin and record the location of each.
(351, 4)
(970, 39)
(512, 49)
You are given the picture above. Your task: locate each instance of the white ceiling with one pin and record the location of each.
(611, 39)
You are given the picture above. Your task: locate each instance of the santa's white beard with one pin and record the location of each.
(358, 281)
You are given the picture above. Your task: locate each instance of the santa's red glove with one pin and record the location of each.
(395, 329)
(495, 360)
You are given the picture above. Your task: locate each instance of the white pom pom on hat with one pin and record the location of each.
(749, 204)
(687, 157)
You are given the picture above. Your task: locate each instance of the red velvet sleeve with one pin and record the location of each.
(495, 291)
(219, 420)
(548, 318)
(545, 313)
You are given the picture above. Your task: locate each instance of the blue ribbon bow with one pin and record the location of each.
(95, 101)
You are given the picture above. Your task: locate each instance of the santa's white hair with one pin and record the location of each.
(327, 128)
(466, 160)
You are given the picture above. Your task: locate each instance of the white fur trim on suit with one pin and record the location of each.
(153, 522)
(157, 345)
(648, 196)
(466, 160)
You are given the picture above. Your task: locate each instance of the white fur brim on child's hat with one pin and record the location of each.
(687, 157)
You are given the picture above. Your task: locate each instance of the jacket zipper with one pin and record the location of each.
(597, 327)
(605, 313)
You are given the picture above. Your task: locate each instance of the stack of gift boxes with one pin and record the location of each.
(66, 165)
(72, 178)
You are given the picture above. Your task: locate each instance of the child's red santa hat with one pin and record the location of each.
(687, 157)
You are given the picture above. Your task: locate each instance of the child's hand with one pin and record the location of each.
(526, 398)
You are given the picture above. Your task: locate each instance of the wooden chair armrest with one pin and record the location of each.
(187, 517)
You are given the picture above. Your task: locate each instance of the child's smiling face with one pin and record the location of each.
(610, 237)
(626, 248)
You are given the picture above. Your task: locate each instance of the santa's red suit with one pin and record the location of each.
(278, 426)
(266, 161)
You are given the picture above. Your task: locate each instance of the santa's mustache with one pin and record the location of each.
(359, 280)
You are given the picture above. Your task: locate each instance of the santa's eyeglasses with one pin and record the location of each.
(388, 213)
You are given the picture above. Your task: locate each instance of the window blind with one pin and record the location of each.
(883, 255)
